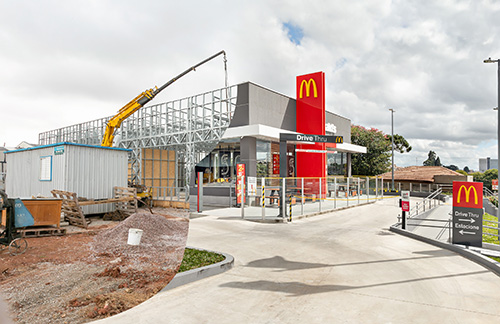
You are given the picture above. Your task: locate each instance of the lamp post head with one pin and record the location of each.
(489, 60)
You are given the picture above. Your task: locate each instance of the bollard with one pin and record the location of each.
(263, 199)
(290, 211)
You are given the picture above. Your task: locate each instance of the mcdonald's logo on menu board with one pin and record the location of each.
(468, 194)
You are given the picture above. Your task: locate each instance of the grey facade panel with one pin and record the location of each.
(342, 124)
(241, 111)
(268, 108)
(91, 172)
(271, 108)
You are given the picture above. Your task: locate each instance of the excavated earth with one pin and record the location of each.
(90, 274)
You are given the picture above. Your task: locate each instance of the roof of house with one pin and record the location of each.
(419, 173)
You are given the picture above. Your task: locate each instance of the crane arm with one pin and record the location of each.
(142, 99)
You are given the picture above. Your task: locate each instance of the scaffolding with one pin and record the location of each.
(191, 127)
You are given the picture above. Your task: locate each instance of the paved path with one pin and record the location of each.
(342, 267)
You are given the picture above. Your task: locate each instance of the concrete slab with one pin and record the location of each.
(341, 267)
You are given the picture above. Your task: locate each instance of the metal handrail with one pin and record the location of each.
(487, 192)
(423, 204)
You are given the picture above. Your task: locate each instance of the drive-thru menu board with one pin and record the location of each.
(468, 213)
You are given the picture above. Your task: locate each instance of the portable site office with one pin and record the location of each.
(89, 171)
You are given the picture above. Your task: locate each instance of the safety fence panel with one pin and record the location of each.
(285, 198)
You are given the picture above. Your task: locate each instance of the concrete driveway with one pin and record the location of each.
(341, 267)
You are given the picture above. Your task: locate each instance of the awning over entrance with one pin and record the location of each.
(273, 134)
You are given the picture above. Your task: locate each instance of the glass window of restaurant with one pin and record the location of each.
(337, 163)
(268, 159)
(220, 165)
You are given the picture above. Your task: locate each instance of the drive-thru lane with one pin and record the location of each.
(341, 267)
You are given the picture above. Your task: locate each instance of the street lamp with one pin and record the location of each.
(489, 60)
(392, 142)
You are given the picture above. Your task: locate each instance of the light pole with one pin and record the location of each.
(489, 60)
(392, 144)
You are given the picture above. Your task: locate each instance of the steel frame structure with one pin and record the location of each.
(191, 126)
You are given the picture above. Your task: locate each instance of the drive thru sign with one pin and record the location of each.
(468, 213)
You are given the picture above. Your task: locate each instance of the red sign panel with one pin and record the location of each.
(240, 182)
(405, 206)
(276, 164)
(467, 194)
(494, 184)
(310, 119)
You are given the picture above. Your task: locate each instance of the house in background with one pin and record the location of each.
(423, 178)
(25, 145)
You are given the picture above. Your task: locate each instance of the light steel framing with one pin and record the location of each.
(192, 127)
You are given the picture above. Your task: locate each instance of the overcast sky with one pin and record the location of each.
(67, 62)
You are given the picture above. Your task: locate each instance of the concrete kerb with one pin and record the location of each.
(466, 252)
(201, 273)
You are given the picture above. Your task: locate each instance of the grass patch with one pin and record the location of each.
(488, 238)
(196, 259)
(494, 258)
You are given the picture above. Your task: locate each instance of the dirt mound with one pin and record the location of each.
(82, 277)
(162, 237)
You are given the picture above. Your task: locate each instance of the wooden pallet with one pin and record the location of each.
(125, 203)
(42, 231)
(71, 208)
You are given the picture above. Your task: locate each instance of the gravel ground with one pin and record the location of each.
(81, 277)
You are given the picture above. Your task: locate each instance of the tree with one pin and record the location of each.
(486, 177)
(400, 143)
(377, 158)
(432, 159)
(466, 169)
(451, 167)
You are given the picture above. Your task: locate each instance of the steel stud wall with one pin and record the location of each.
(191, 126)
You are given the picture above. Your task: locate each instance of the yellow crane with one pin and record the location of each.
(145, 194)
(138, 102)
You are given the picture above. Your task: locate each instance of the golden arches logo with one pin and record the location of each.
(339, 139)
(308, 88)
(467, 194)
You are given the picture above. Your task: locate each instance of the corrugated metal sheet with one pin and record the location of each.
(90, 171)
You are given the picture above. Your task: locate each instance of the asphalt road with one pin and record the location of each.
(341, 267)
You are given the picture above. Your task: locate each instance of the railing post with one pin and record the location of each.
(283, 201)
(347, 192)
(242, 193)
(334, 193)
(359, 189)
(302, 198)
(367, 189)
(320, 194)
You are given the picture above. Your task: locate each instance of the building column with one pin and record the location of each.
(248, 154)
(348, 165)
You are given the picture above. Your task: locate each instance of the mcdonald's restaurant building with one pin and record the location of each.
(253, 137)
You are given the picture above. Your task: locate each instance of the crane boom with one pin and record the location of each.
(142, 99)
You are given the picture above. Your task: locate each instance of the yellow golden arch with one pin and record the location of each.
(467, 194)
(308, 88)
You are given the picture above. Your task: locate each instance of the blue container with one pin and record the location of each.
(22, 216)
